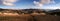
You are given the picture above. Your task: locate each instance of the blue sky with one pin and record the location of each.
(24, 4)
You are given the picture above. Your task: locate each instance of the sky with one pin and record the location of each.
(26, 4)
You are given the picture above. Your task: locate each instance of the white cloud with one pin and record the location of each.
(38, 4)
(51, 8)
(42, 2)
(8, 2)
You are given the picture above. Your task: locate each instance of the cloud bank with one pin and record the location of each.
(42, 2)
(8, 2)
